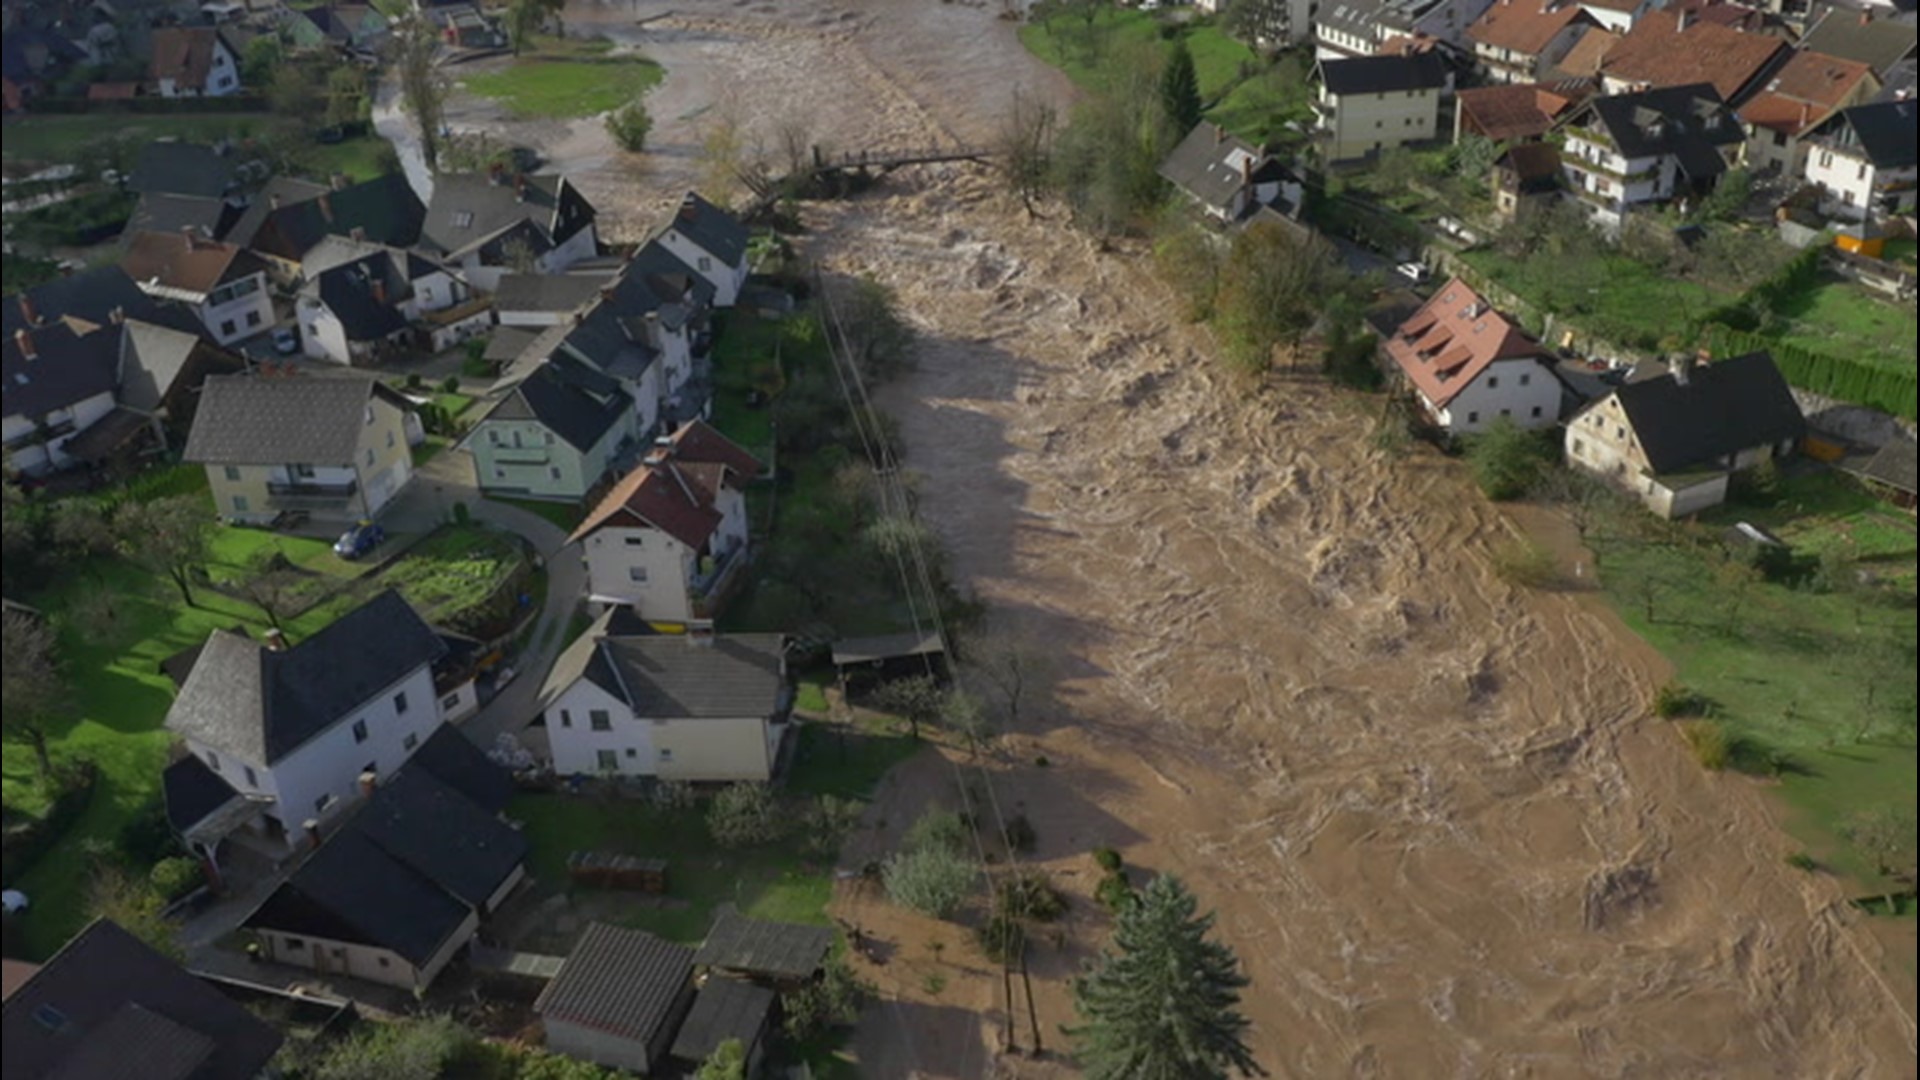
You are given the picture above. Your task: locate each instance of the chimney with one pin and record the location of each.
(519, 187)
(368, 781)
(497, 173)
(688, 207)
(1219, 134)
(1866, 19)
(117, 316)
(27, 314)
(661, 453)
(339, 181)
(273, 200)
(1682, 368)
(379, 292)
(1806, 114)
(652, 320)
(358, 232)
(1682, 20)
(326, 207)
(312, 828)
(24, 342)
(606, 293)
(276, 637)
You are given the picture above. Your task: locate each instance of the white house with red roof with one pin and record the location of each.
(1470, 365)
(671, 536)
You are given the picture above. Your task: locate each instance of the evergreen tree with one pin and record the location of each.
(1180, 89)
(1161, 1004)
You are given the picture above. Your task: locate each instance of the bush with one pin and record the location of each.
(942, 829)
(175, 877)
(1115, 891)
(415, 381)
(1709, 743)
(1028, 895)
(834, 1000)
(1505, 460)
(1527, 564)
(932, 880)
(828, 821)
(450, 385)
(1020, 834)
(1107, 859)
(147, 837)
(1800, 860)
(1674, 700)
(630, 125)
(743, 815)
(1002, 939)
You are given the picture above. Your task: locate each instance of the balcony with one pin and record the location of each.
(709, 588)
(307, 495)
(519, 455)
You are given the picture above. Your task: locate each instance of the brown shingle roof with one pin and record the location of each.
(1656, 53)
(1584, 60)
(1524, 26)
(1806, 91)
(184, 54)
(1451, 340)
(677, 496)
(1512, 111)
(188, 263)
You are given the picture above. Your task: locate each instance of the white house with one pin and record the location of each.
(494, 223)
(620, 998)
(362, 300)
(1633, 150)
(293, 728)
(1372, 104)
(1351, 28)
(1229, 177)
(1517, 41)
(225, 285)
(671, 536)
(1675, 439)
(59, 382)
(711, 241)
(696, 706)
(193, 61)
(1798, 98)
(1470, 366)
(1863, 161)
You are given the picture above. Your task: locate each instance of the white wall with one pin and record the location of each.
(726, 280)
(612, 554)
(580, 245)
(1847, 180)
(576, 745)
(242, 316)
(365, 961)
(1523, 391)
(330, 764)
(459, 702)
(1363, 123)
(599, 1047)
(322, 337)
(37, 460)
(712, 750)
(223, 78)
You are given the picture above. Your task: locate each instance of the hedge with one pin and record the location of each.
(1823, 373)
(234, 103)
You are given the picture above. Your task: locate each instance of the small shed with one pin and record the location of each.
(778, 954)
(619, 999)
(1891, 471)
(890, 656)
(726, 1008)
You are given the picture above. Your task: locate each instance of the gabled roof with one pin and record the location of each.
(699, 441)
(1897, 83)
(1656, 53)
(383, 210)
(119, 1009)
(1510, 111)
(675, 677)
(153, 357)
(365, 294)
(1214, 167)
(1383, 74)
(1721, 408)
(711, 229)
(1882, 132)
(676, 495)
(554, 395)
(455, 761)
(546, 292)
(625, 983)
(191, 790)
(185, 54)
(667, 274)
(181, 168)
(1525, 26)
(470, 210)
(275, 420)
(258, 705)
(404, 871)
(164, 212)
(1894, 465)
(764, 949)
(723, 1009)
(278, 191)
(185, 267)
(1805, 92)
(1445, 346)
(1878, 43)
(90, 295)
(54, 366)
(1686, 121)
(1587, 56)
(1532, 163)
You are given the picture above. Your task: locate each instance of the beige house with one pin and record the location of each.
(1372, 104)
(1674, 438)
(699, 707)
(338, 449)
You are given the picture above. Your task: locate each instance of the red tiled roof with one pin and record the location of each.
(698, 440)
(678, 495)
(1524, 26)
(1585, 58)
(112, 91)
(1533, 161)
(184, 54)
(1511, 111)
(1805, 92)
(178, 261)
(1656, 54)
(1452, 339)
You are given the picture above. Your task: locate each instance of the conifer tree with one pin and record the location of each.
(1180, 90)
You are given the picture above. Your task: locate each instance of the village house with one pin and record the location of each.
(619, 999)
(1797, 99)
(361, 302)
(1525, 176)
(492, 223)
(1862, 160)
(400, 885)
(225, 285)
(544, 299)
(292, 729)
(193, 61)
(108, 1005)
(1681, 48)
(338, 449)
(782, 956)
(711, 241)
(1470, 366)
(1354, 28)
(1229, 177)
(555, 433)
(1518, 41)
(1881, 40)
(1585, 60)
(1674, 439)
(671, 536)
(1632, 150)
(352, 28)
(287, 220)
(1370, 105)
(1515, 112)
(698, 707)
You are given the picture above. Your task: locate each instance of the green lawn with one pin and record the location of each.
(1087, 53)
(1826, 679)
(563, 515)
(1273, 106)
(562, 80)
(362, 158)
(454, 569)
(1846, 320)
(1608, 295)
(1901, 249)
(57, 137)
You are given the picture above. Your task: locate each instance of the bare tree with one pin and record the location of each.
(918, 698)
(519, 257)
(1025, 146)
(80, 528)
(30, 684)
(723, 151)
(269, 585)
(1010, 668)
(168, 536)
(422, 90)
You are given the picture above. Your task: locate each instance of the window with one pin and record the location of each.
(367, 416)
(706, 264)
(1506, 412)
(232, 472)
(1779, 138)
(632, 753)
(493, 436)
(599, 720)
(389, 440)
(553, 472)
(665, 754)
(1379, 123)
(239, 504)
(1579, 446)
(1619, 432)
(213, 761)
(320, 804)
(253, 319)
(369, 455)
(400, 703)
(359, 731)
(226, 328)
(1826, 159)
(1473, 418)
(1536, 412)
(1861, 174)
(636, 541)
(384, 962)
(609, 760)
(252, 780)
(499, 474)
(450, 701)
(295, 944)
(549, 438)
(566, 718)
(412, 740)
(637, 575)
(1526, 380)
(50, 1018)
(462, 219)
(1493, 381)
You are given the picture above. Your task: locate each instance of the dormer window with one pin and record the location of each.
(50, 1018)
(462, 219)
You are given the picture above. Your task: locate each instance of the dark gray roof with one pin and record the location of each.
(182, 168)
(1206, 165)
(91, 295)
(1898, 82)
(771, 950)
(164, 212)
(383, 210)
(722, 1009)
(862, 650)
(1892, 465)
(667, 274)
(1883, 132)
(508, 342)
(349, 289)
(66, 368)
(279, 191)
(472, 209)
(670, 676)
(711, 229)
(272, 420)
(626, 983)
(556, 396)
(258, 705)
(191, 791)
(1356, 17)
(1852, 35)
(455, 761)
(1723, 407)
(546, 292)
(433, 828)
(1689, 122)
(180, 665)
(1384, 74)
(91, 984)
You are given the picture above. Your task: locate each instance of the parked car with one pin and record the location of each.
(359, 540)
(1414, 272)
(286, 341)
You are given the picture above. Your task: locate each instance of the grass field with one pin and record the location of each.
(1087, 52)
(566, 79)
(1608, 295)
(455, 568)
(1846, 320)
(1824, 679)
(63, 138)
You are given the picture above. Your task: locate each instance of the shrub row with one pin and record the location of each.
(1838, 377)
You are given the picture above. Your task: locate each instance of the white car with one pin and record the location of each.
(1414, 272)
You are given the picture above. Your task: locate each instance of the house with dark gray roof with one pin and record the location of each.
(1369, 105)
(1862, 160)
(294, 729)
(288, 220)
(397, 886)
(107, 1006)
(556, 433)
(1229, 177)
(497, 222)
(1627, 151)
(693, 706)
(619, 1000)
(711, 241)
(726, 1009)
(1880, 40)
(1675, 440)
(362, 301)
(88, 296)
(172, 167)
(335, 448)
(545, 299)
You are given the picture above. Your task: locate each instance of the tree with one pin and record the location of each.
(1188, 259)
(917, 698)
(523, 19)
(727, 1062)
(30, 683)
(965, 716)
(828, 821)
(346, 96)
(723, 149)
(1505, 460)
(293, 87)
(1012, 667)
(1180, 89)
(409, 1050)
(1273, 289)
(1472, 158)
(1255, 21)
(168, 536)
(269, 585)
(1025, 143)
(260, 59)
(1162, 1002)
(629, 126)
(1728, 200)
(80, 528)
(932, 879)
(867, 318)
(744, 814)
(1886, 835)
(833, 1000)
(422, 91)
